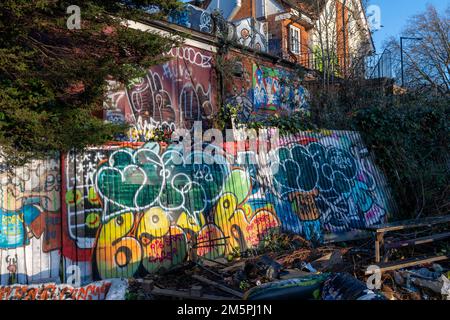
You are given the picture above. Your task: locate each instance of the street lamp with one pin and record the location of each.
(401, 54)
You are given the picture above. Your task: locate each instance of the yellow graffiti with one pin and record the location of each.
(118, 254)
(188, 222)
(154, 223)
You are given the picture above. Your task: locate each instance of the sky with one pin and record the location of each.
(395, 13)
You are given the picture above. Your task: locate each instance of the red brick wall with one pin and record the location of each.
(248, 9)
(302, 58)
(342, 35)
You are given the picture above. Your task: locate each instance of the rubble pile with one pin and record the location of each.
(294, 270)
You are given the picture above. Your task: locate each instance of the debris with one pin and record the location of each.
(306, 288)
(327, 262)
(293, 273)
(424, 273)
(118, 289)
(271, 268)
(388, 292)
(435, 286)
(343, 286)
(234, 267)
(398, 278)
(219, 286)
(308, 267)
(445, 290)
(183, 294)
(148, 284)
(196, 291)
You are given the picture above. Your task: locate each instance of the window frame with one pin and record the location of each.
(293, 30)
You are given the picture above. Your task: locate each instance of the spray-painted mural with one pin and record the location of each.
(194, 18)
(136, 208)
(277, 90)
(260, 91)
(250, 33)
(30, 222)
(171, 96)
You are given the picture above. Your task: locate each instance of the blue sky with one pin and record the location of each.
(395, 13)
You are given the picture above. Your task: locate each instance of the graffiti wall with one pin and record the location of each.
(194, 18)
(30, 222)
(261, 90)
(171, 96)
(277, 90)
(135, 208)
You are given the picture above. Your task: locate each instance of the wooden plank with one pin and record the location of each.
(185, 295)
(378, 245)
(417, 241)
(409, 224)
(395, 265)
(219, 286)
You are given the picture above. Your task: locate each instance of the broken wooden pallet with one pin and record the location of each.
(396, 265)
(219, 286)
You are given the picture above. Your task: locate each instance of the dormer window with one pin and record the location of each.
(294, 39)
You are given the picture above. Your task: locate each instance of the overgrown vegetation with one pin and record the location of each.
(53, 81)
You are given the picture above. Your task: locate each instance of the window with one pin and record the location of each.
(294, 39)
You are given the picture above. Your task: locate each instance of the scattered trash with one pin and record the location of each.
(219, 286)
(343, 286)
(308, 267)
(305, 288)
(330, 272)
(118, 289)
(272, 268)
(329, 261)
(445, 290)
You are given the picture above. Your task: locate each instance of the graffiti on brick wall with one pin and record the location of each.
(136, 208)
(277, 90)
(171, 96)
(30, 222)
(193, 18)
(250, 33)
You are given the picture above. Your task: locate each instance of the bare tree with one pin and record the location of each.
(426, 58)
(340, 38)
